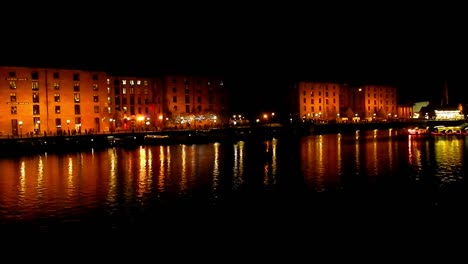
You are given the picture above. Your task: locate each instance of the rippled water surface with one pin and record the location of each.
(149, 186)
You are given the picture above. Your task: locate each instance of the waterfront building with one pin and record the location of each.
(55, 101)
(42, 101)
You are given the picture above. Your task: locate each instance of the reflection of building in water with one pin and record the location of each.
(270, 167)
(215, 184)
(319, 165)
(238, 168)
(448, 156)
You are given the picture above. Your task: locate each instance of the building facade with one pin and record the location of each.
(323, 101)
(51, 101)
(195, 101)
(318, 101)
(45, 101)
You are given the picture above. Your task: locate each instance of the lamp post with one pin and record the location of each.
(21, 127)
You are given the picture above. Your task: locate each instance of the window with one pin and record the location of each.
(78, 120)
(96, 109)
(12, 85)
(36, 110)
(124, 82)
(199, 99)
(132, 82)
(95, 77)
(174, 90)
(138, 82)
(187, 108)
(56, 86)
(187, 99)
(58, 122)
(76, 77)
(14, 110)
(124, 90)
(174, 99)
(76, 97)
(12, 97)
(77, 110)
(35, 97)
(35, 76)
(76, 87)
(139, 110)
(96, 98)
(12, 74)
(35, 85)
(57, 109)
(95, 87)
(57, 97)
(56, 75)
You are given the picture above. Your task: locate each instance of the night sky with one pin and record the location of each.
(258, 48)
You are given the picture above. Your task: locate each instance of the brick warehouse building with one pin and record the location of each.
(324, 101)
(57, 101)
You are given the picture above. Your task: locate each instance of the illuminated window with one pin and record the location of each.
(76, 87)
(57, 97)
(95, 87)
(12, 85)
(12, 97)
(57, 109)
(96, 109)
(95, 98)
(35, 97)
(14, 110)
(76, 97)
(36, 110)
(35, 85)
(56, 86)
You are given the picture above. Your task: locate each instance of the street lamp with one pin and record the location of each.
(21, 127)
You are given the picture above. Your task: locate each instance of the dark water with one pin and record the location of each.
(285, 183)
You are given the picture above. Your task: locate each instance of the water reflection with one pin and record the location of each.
(121, 183)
